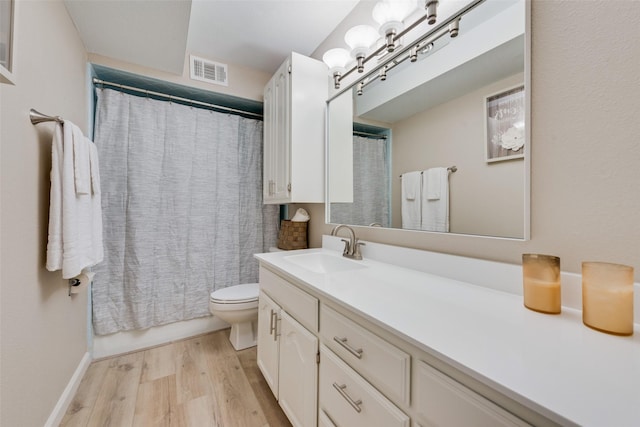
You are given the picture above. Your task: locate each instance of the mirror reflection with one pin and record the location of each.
(461, 106)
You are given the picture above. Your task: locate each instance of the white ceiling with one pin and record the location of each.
(158, 33)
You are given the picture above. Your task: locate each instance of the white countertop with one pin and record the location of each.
(551, 363)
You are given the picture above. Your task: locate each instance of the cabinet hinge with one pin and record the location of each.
(289, 68)
(318, 358)
(289, 188)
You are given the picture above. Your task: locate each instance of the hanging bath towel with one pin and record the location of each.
(435, 200)
(411, 195)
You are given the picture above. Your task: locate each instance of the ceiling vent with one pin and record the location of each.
(208, 71)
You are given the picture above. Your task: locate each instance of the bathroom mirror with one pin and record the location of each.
(460, 105)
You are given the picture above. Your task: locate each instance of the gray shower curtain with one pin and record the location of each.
(371, 185)
(182, 209)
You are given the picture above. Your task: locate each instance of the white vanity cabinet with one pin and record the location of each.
(294, 111)
(287, 351)
(367, 376)
(442, 401)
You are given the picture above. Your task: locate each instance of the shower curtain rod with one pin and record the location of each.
(451, 169)
(374, 135)
(97, 81)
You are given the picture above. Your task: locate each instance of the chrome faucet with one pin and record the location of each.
(351, 246)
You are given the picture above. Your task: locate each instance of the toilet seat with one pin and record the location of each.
(235, 295)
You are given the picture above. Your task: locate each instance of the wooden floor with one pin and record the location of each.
(200, 382)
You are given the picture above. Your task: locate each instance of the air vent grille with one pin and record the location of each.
(209, 71)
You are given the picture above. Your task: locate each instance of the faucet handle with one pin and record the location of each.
(356, 249)
(347, 246)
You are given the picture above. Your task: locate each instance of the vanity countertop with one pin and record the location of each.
(551, 363)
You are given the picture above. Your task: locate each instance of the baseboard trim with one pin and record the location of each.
(69, 392)
(128, 341)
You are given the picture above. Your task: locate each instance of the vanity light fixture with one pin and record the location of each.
(337, 60)
(390, 14)
(366, 44)
(360, 39)
(432, 7)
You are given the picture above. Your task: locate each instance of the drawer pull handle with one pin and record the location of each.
(355, 404)
(343, 342)
(273, 324)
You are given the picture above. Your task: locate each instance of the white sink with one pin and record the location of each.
(324, 263)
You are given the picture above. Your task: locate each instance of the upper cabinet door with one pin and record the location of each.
(294, 127)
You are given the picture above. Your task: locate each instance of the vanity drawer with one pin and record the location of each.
(348, 400)
(383, 364)
(442, 401)
(299, 304)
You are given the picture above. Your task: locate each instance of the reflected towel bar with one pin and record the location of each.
(449, 169)
(37, 117)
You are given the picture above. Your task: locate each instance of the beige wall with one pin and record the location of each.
(43, 331)
(243, 82)
(585, 143)
(485, 198)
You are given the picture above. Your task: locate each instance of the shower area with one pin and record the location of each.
(182, 206)
(371, 204)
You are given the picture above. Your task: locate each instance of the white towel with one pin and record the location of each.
(301, 216)
(81, 162)
(75, 220)
(435, 213)
(434, 177)
(95, 168)
(411, 206)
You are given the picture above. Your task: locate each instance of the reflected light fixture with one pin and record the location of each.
(454, 28)
(390, 14)
(360, 39)
(337, 60)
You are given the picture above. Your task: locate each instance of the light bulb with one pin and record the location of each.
(360, 39)
(337, 60)
(389, 14)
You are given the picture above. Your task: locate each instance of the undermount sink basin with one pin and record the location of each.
(324, 263)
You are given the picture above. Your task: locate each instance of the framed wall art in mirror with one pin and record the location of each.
(505, 128)
(6, 40)
(433, 111)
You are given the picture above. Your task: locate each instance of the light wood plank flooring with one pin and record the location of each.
(197, 382)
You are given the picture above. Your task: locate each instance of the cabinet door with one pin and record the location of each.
(268, 351)
(298, 372)
(281, 174)
(268, 143)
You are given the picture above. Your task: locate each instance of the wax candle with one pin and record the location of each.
(541, 283)
(607, 297)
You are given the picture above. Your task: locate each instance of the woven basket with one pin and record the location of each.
(292, 235)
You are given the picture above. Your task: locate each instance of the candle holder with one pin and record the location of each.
(607, 297)
(541, 283)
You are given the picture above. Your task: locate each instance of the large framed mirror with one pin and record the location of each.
(441, 144)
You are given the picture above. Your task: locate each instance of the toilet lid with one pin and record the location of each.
(236, 294)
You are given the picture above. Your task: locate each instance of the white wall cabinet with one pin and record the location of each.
(294, 127)
(287, 358)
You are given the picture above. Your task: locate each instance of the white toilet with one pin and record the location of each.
(238, 305)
